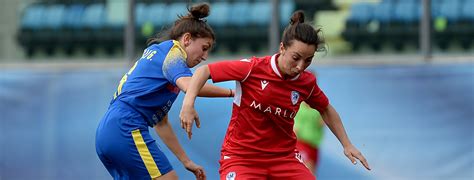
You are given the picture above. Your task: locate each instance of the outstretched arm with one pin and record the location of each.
(333, 121)
(167, 135)
(188, 114)
(207, 91)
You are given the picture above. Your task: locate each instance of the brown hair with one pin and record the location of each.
(298, 30)
(193, 23)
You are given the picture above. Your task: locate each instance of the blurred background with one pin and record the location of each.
(401, 77)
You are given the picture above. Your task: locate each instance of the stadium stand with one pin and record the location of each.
(381, 26)
(396, 22)
(30, 23)
(466, 24)
(90, 25)
(70, 25)
(357, 24)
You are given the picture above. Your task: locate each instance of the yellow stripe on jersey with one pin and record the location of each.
(124, 79)
(176, 45)
(174, 54)
(145, 154)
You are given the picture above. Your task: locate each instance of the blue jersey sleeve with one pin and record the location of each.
(174, 65)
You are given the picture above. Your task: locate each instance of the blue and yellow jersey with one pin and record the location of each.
(149, 87)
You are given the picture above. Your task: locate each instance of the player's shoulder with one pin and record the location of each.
(166, 44)
(166, 47)
(257, 60)
(157, 51)
(308, 77)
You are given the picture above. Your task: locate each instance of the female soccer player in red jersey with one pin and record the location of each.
(260, 142)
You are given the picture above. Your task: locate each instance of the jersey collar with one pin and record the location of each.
(275, 68)
(176, 43)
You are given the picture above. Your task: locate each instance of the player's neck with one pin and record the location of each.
(284, 75)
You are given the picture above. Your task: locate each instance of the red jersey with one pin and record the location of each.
(264, 106)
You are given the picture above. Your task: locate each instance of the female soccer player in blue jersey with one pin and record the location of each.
(145, 95)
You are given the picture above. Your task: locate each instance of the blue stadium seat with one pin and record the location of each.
(407, 11)
(113, 19)
(54, 17)
(33, 17)
(141, 11)
(73, 16)
(94, 16)
(361, 13)
(383, 12)
(260, 13)
(73, 27)
(239, 13)
(220, 14)
(380, 28)
(157, 14)
(467, 11)
(466, 25)
(451, 10)
(435, 8)
(49, 34)
(356, 30)
(287, 7)
(175, 9)
(32, 21)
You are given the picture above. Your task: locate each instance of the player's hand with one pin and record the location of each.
(187, 116)
(197, 170)
(352, 153)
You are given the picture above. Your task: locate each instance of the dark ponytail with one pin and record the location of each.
(298, 30)
(193, 23)
(297, 17)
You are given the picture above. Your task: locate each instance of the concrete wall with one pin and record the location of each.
(9, 19)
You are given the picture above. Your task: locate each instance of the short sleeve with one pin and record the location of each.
(317, 99)
(174, 65)
(230, 70)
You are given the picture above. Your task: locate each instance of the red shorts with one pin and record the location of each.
(308, 152)
(290, 167)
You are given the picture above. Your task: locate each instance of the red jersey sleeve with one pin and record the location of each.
(230, 70)
(317, 99)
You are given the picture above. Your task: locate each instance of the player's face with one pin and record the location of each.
(197, 50)
(295, 58)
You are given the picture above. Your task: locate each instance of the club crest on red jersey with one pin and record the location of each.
(294, 97)
(231, 176)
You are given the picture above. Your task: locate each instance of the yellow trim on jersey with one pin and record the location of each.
(145, 154)
(176, 45)
(124, 79)
(175, 54)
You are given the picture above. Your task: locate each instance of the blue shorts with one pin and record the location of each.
(126, 148)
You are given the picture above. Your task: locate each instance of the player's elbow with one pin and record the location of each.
(203, 71)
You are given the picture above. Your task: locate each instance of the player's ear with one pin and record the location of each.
(282, 48)
(186, 39)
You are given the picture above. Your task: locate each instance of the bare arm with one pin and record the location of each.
(334, 123)
(188, 114)
(207, 91)
(167, 135)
